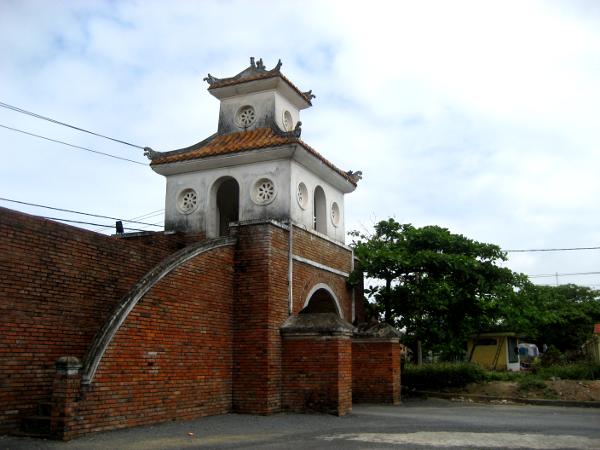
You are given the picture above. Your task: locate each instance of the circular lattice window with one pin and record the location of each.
(335, 214)
(302, 195)
(264, 191)
(288, 122)
(187, 201)
(245, 116)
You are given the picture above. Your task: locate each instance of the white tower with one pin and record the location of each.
(255, 166)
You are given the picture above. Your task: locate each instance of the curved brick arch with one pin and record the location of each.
(127, 304)
(309, 277)
(325, 287)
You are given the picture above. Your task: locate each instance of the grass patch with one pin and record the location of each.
(440, 376)
(531, 383)
(505, 376)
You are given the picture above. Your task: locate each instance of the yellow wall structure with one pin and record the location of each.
(484, 354)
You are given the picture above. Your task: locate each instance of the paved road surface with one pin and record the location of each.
(418, 424)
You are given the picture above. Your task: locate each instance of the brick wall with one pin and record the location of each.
(58, 285)
(313, 247)
(317, 374)
(375, 371)
(260, 309)
(172, 357)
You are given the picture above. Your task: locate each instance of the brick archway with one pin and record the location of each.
(321, 299)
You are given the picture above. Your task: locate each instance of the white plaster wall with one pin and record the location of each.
(305, 216)
(267, 105)
(282, 105)
(204, 183)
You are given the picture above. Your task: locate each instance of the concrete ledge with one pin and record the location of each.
(317, 324)
(489, 398)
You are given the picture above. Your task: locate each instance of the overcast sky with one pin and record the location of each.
(479, 116)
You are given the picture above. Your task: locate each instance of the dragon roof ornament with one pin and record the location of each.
(256, 71)
(256, 68)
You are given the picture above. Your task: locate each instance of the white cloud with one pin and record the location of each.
(477, 116)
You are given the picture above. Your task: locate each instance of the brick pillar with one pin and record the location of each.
(259, 309)
(65, 395)
(317, 364)
(376, 365)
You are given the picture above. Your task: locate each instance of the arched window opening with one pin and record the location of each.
(320, 211)
(228, 205)
(320, 302)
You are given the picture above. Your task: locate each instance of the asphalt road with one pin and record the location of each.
(417, 424)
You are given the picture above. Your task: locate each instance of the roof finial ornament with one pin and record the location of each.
(278, 66)
(151, 154)
(309, 95)
(252, 62)
(355, 176)
(260, 65)
(210, 79)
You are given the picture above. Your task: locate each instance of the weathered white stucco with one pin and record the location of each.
(285, 167)
(205, 183)
(305, 216)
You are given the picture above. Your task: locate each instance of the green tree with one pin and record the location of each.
(560, 316)
(441, 287)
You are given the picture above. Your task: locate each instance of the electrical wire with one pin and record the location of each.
(76, 212)
(86, 223)
(548, 275)
(149, 215)
(552, 249)
(39, 116)
(72, 145)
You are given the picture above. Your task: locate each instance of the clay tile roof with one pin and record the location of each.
(239, 142)
(256, 71)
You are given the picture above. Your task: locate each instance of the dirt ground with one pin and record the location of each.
(550, 389)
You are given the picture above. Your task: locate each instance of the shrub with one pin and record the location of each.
(504, 376)
(576, 371)
(441, 375)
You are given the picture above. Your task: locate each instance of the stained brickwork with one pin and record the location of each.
(317, 374)
(57, 286)
(375, 371)
(204, 340)
(171, 358)
(311, 246)
(260, 309)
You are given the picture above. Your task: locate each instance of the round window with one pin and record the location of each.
(302, 195)
(288, 122)
(245, 116)
(335, 214)
(264, 192)
(187, 201)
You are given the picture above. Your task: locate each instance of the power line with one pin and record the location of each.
(548, 275)
(148, 215)
(86, 223)
(39, 116)
(77, 212)
(552, 249)
(72, 145)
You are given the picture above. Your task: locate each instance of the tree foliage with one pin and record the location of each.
(441, 287)
(559, 316)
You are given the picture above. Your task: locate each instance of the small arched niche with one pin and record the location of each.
(320, 210)
(321, 299)
(227, 196)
